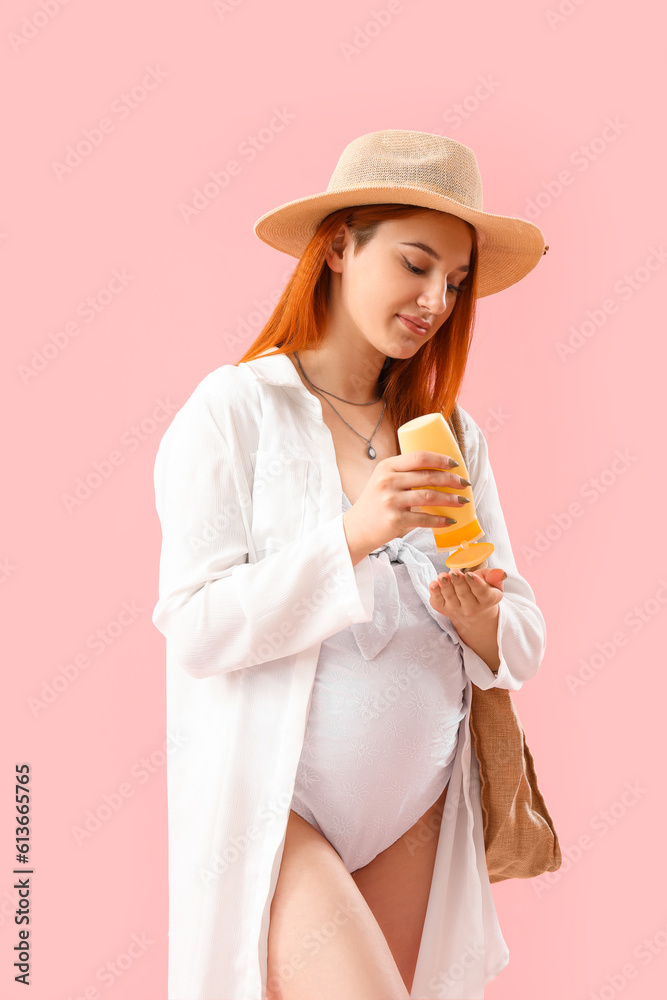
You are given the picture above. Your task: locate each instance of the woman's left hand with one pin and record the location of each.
(467, 597)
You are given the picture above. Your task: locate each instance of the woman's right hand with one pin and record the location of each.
(383, 512)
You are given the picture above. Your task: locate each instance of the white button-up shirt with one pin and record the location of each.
(255, 572)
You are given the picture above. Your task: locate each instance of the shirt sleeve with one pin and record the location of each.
(521, 625)
(218, 611)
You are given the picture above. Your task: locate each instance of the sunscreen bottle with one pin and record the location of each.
(432, 433)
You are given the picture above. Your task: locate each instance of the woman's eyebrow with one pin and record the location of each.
(431, 251)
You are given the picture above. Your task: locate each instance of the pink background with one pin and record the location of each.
(188, 302)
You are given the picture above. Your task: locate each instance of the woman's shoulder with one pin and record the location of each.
(224, 386)
(225, 393)
(224, 403)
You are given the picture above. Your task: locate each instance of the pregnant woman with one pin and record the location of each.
(325, 825)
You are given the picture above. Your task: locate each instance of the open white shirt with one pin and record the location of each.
(255, 572)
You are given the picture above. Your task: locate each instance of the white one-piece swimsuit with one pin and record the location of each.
(384, 716)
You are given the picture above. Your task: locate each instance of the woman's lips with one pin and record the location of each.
(412, 326)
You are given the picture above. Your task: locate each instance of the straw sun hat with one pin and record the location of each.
(412, 168)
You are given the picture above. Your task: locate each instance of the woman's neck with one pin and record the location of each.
(353, 381)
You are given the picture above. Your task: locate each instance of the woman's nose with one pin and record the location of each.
(435, 300)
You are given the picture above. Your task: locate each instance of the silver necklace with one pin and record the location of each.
(370, 450)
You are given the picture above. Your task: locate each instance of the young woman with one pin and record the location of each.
(325, 827)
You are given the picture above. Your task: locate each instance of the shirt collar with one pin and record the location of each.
(276, 369)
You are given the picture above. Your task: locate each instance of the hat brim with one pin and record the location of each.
(509, 249)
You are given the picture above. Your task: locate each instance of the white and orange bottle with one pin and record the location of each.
(432, 433)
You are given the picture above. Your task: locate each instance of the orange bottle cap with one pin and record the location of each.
(469, 555)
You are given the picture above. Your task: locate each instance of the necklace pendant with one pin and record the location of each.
(371, 452)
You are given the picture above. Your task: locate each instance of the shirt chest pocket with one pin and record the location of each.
(279, 495)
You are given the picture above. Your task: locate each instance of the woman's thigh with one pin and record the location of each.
(396, 885)
(324, 941)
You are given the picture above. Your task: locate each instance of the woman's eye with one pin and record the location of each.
(411, 267)
(418, 270)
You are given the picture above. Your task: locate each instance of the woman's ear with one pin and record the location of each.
(334, 256)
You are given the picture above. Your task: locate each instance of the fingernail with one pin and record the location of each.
(453, 464)
(464, 482)
(464, 499)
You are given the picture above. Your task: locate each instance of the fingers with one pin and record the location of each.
(461, 591)
(457, 576)
(462, 586)
(464, 596)
(426, 480)
(494, 577)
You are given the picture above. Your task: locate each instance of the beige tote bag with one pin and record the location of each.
(519, 836)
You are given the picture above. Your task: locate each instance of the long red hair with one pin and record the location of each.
(428, 382)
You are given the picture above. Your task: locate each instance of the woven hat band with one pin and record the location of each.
(390, 159)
